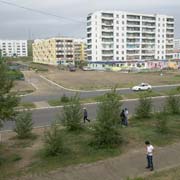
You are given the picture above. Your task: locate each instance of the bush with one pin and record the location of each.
(24, 125)
(64, 99)
(144, 108)
(72, 114)
(172, 105)
(107, 130)
(53, 142)
(161, 122)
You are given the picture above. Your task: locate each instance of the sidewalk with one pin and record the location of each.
(131, 164)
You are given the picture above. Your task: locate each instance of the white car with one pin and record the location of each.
(142, 87)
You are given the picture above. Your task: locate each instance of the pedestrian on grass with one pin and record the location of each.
(126, 113)
(149, 153)
(122, 115)
(85, 115)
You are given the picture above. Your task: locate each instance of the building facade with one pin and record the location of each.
(117, 38)
(177, 44)
(80, 48)
(176, 55)
(14, 48)
(61, 50)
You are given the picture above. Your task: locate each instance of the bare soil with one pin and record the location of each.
(87, 80)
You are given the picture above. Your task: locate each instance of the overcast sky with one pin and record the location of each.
(16, 23)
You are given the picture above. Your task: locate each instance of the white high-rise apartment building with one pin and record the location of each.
(121, 37)
(177, 44)
(12, 48)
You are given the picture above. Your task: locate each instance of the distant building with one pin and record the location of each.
(176, 55)
(60, 50)
(80, 48)
(14, 48)
(117, 38)
(177, 44)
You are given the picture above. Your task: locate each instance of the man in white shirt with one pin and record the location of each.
(126, 116)
(149, 152)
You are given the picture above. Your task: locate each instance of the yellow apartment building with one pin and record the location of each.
(61, 50)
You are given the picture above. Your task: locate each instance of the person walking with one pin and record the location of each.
(85, 115)
(126, 113)
(122, 115)
(149, 153)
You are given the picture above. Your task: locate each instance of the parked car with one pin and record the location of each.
(86, 68)
(72, 68)
(142, 87)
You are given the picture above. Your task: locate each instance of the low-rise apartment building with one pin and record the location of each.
(118, 38)
(80, 48)
(55, 51)
(13, 48)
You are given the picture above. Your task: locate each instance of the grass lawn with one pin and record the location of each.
(101, 80)
(135, 95)
(26, 157)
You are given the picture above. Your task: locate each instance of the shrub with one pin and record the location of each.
(172, 105)
(72, 114)
(53, 142)
(144, 108)
(161, 122)
(64, 99)
(107, 130)
(24, 125)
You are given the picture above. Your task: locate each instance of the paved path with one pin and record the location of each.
(131, 164)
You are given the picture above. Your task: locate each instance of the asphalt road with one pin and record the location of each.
(47, 91)
(44, 117)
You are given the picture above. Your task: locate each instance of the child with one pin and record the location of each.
(150, 150)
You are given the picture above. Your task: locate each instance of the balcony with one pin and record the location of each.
(107, 15)
(133, 17)
(148, 24)
(107, 22)
(133, 23)
(148, 18)
(107, 40)
(107, 28)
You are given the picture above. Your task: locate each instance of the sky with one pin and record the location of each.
(17, 23)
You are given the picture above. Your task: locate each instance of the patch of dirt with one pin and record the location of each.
(97, 79)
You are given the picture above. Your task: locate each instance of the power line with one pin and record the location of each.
(40, 12)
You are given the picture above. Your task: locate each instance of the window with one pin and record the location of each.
(117, 15)
(117, 46)
(117, 34)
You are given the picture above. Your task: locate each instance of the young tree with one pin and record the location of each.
(107, 132)
(24, 125)
(53, 143)
(8, 101)
(72, 114)
(172, 105)
(144, 108)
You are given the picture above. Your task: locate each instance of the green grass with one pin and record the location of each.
(138, 94)
(27, 105)
(77, 151)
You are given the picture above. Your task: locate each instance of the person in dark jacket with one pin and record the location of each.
(123, 117)
(85, 115)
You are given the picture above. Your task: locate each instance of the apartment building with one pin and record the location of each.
(54, 51)
(80, 48)
(60, 50)
(118, 38)
(14, 48)
(177, 44)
